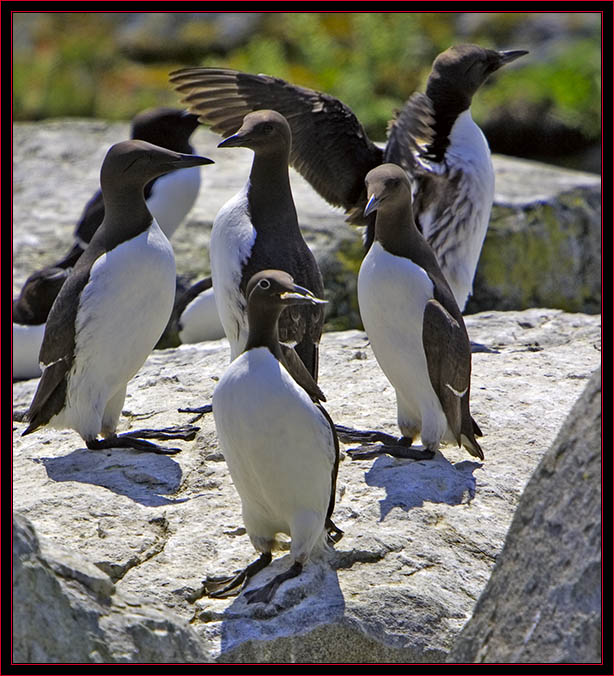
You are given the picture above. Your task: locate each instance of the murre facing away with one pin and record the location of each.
(112, 308)
(258, 229)
(169, 196)
(280, 446)
(433, 138)
(413, 323)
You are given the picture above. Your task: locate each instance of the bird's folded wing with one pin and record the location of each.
(448, 358)
(299, 372)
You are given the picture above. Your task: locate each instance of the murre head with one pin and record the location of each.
(388, 189)
(131, 164)
(462, 69)
(167, 127)
(264, 131)
(268, 293)
(276, 289)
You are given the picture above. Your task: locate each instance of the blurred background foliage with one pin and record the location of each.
(111, 65)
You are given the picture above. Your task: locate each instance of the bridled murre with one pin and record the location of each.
(433, 138)
(414, 325)
(112, 308)
(280, 445)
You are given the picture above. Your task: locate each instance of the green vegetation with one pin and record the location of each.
(74, 64)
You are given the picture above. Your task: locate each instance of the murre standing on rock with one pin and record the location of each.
(434, 138)
(112, 308)
(280, 446)
(258, 229)
(414, 325)
(169, 198)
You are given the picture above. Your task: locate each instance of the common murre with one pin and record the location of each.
(169, 198)
(280, 446)
(112, 308)
(414, 325)
(258, 229)
(433, 138)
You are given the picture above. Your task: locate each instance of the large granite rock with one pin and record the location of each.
(66, 609)
(543, 247)
(543, 600)
(421, 538)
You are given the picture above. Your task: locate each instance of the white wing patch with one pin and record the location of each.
(456, 392)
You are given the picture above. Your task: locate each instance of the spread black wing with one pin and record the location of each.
(410, 133)
(330, 147)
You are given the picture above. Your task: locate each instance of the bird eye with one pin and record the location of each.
(264, 284)
(267, 128)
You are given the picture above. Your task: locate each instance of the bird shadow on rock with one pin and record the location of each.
(145, 478)
(300, 605)
(410, 483)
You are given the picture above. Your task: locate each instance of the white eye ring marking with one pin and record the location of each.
(264, 284)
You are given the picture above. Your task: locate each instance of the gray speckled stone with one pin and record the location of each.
(66, 610)
(421, 538)
(543, 600)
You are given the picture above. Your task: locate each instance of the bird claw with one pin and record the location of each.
(397, 450)
(184, 432)
(222, 586)
(199, 410)
(261, 595)
(350, 435)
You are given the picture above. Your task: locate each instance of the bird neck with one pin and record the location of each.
(263, 330)
(396, 230)
(125, 200)
(270, 195)
(448, 104)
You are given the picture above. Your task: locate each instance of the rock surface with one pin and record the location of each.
(543, 600)
(65, 609)
(421, 537)
(543, 247)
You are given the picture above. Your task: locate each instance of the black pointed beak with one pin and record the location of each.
(512, 55)
(301, 296)
(372, 205)
(183, 161)
(235, 141)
